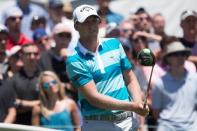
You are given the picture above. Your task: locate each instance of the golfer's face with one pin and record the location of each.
(90, 26)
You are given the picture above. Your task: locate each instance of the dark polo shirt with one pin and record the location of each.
(25, 87)
(7, 99)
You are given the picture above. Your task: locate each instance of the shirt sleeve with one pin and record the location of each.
(157, 94)
(78, 73)
(125, 63)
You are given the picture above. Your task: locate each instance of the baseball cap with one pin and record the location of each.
(14, 50)
(13, 11)
(55, 3)
(39, 33)
(174, 47)
(60, 28)
(188, 13)
(82, 12)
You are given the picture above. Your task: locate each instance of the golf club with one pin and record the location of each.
(146, 58)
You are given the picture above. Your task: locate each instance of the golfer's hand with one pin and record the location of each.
(141, 110)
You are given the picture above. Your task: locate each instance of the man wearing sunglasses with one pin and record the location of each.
(189, 27)
(13, 19)
(54, 59)
(25, 85)
(175, 94)
(103, 75)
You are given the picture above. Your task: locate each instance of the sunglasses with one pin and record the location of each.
(15, 18)
(176, 54)
(126, 30)
(31, 53)
(16, 56)
(47, 85)
(64, 35)
(144, 18)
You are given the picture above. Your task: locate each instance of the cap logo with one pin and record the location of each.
(86, 9)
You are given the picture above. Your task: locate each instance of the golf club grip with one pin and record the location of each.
(148, 88)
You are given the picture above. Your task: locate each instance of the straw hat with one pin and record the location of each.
(176, 47)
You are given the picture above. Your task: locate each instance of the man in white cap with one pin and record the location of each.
(189, 26)
(175, 94)
(54, 59)
(3, 55)
(108, 89)
(13, 18)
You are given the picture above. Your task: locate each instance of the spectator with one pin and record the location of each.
(68, 10)
(145, 18)
(13, 18)
(57, 16)
(112, 31)
(3, 36)
(24, 84)
(189, 27)
(127, 30)
(56, 110)
(3, 54)
(15, 63)
(134, 18)
(54, 59)
(30, 10)
(105, 11)
(174, 94)
(146, 30)
(38, 22)
(158, 22)
(42, 40)
(98, 68)
(7, 99)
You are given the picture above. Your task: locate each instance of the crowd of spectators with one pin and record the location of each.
(35, 42)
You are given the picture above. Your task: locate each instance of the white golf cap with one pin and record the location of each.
(188, 13)
(82, 12)
(13, 12)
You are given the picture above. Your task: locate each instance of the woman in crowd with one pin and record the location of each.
(55, 110)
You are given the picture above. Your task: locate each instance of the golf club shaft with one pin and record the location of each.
(148, 88)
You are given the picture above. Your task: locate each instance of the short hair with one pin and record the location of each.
(27, 45)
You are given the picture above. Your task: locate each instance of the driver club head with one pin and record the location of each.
(146, 57)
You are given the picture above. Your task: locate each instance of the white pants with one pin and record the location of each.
(96, 125)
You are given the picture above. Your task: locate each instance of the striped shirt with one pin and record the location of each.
(104, 67)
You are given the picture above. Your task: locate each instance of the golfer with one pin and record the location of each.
(108, 89)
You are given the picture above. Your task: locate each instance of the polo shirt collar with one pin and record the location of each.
(85, 51)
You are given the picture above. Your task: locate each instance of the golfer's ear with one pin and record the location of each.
(76, 26)
(181, 24)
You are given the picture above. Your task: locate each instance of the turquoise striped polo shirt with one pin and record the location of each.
(105, 68)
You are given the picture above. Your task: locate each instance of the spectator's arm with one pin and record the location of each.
(148, 35)
(75, 116)
(11, 116)
(27, 103)
(35, 120)
(193, 59)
